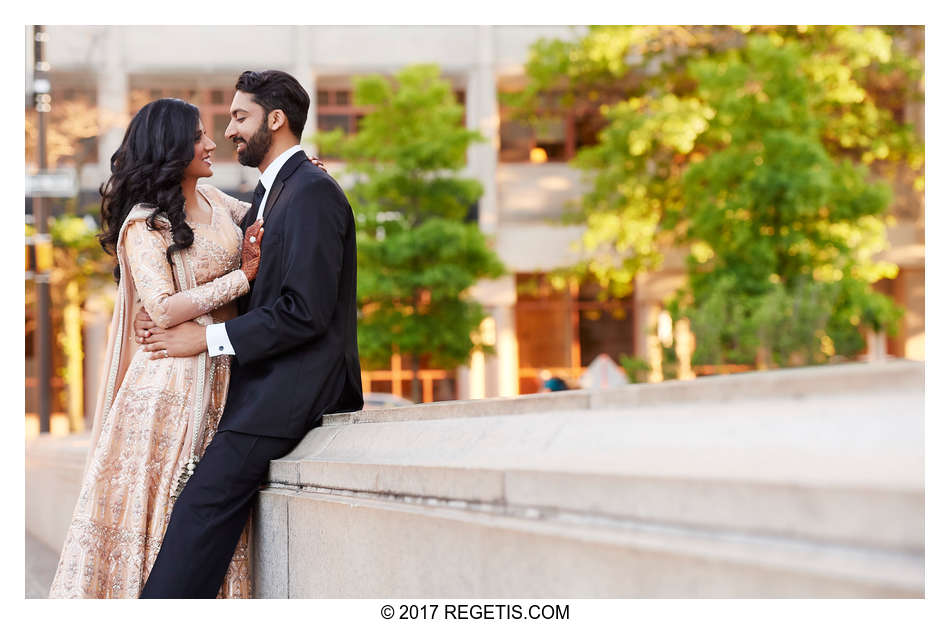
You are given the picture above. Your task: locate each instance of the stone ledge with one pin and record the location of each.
(389, 549)
(880, 520)
(810, 380)
(795, 483)
(804, 482)
(525, 404)
(842, 468)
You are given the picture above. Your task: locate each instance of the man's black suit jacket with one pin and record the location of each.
(295, 339)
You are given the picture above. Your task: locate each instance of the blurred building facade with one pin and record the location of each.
(101, 75)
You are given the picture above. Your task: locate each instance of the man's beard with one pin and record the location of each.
(256, 147)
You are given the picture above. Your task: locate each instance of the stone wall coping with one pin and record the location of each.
(810, 380)
(831, 453)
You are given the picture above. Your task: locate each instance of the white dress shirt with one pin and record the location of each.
(215, 335)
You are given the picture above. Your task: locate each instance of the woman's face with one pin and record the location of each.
(200, 165)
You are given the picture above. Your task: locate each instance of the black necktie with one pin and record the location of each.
(256, 202)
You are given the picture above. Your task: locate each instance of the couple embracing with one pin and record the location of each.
(234, 331)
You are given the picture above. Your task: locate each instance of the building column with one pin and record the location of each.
(877, 345)
(462, 386)
(646, 342)
(481, 113)
(470, 379)
(654, 350)
(496, 374)
(112, 97)
(304, 73)
(506, 351)
(476, 379)
(912, 293)
(640, 312)
(685, 346)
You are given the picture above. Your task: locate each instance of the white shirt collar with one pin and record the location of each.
(270, 174)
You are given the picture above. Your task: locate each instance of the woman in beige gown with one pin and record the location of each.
(156, 416)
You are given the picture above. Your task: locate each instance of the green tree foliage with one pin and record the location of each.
(417, 256)
(78, 256)
(755, 148)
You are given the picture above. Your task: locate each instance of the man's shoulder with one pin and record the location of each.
(309, 173)
(309, 178)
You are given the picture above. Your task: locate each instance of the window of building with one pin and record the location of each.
(517, 141)
(562, 331)
(336, 110)
(603, 326)
(328, 123)
(550, 135)
(214, 104)
(544, 321)
(521, 141)
(139, 97)
(587, 125)
(554, 136)
(217, 127)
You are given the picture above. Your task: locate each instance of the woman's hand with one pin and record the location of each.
(142, 323)
(251, 250)
(318, 163)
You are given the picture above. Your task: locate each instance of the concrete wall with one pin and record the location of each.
(805, 483)
(802, 482)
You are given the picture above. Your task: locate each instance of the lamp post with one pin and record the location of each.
(42, 242)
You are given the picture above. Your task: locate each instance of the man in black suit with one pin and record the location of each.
(294, 342)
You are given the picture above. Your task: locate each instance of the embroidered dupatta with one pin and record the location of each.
(121, 345)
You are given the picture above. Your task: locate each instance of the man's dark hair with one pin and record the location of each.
(275, 89)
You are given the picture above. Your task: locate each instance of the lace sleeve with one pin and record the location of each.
(155, 285)
(235, 207)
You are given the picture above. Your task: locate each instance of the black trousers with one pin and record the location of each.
(208, 517)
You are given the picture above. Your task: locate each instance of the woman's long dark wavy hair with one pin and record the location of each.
(148, 169)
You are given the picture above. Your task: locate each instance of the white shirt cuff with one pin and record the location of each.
(217, 338)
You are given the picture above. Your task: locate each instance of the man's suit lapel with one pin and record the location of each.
(285, 172)
(272, 196)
